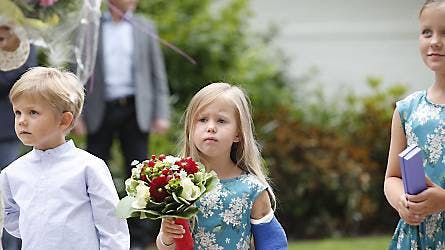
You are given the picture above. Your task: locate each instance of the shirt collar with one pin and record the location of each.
(107, 16)
(53, 152)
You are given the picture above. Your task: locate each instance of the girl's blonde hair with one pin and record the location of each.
(428, 3)
(62, 90)
(245, 153)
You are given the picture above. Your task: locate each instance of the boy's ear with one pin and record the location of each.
(67, 120)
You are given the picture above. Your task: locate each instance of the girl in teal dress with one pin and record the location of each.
(419, 119)
(219, 133)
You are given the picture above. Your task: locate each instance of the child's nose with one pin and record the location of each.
(211, 127)
(436, 41)
(21, 120)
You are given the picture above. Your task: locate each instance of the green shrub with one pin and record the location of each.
(329, 174)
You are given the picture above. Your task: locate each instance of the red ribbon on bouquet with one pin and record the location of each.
(186, 242)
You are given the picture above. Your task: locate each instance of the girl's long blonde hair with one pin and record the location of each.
(245, 153)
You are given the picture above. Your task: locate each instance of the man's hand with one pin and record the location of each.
(160, 126)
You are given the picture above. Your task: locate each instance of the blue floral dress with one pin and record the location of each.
(223, 220)
(424, 125)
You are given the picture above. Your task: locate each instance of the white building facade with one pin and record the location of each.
(348, 40)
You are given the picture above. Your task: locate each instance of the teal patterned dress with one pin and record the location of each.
(223, 220)
(424, 125)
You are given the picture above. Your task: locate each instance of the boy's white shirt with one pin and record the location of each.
(62, 198)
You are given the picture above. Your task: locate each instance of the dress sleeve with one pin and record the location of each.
(11, 211)
(112, 231)
(257, 188)
(405, 105)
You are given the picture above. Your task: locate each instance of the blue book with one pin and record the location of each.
(411, 166)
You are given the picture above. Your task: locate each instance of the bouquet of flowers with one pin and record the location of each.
(67, 29)
(166, 186)
(49, 12)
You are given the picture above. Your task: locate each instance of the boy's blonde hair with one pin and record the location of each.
(245, 153)
(62, 90)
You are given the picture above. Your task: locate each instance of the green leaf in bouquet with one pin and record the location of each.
(211, 181)
(168, 199)
(171, 212)
(175, 198)
(148, 214)
(189, 212)
(184, 201)
(170, 216)
(157, 206)
(170, 207)
(179, 199)
(182, 208)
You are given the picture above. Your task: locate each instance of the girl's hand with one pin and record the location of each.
(406, 214)
(170, 231)
(430, 201)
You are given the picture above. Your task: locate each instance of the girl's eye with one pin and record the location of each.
(17, 113)
(427, 33)
(221, 121)
(33, 112)
(202, 119)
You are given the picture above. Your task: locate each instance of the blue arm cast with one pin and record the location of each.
(269, 236)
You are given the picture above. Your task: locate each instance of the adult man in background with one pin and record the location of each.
(127, 95)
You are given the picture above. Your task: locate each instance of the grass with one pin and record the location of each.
(362, 243)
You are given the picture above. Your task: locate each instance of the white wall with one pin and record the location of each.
(348, 40)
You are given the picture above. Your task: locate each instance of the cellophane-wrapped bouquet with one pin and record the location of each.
(166, 186)
(67, 29)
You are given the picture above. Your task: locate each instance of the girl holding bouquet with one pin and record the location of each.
(219, 133)
(419, 119)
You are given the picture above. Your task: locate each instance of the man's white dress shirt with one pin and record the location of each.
(62, 199)
(118, 54)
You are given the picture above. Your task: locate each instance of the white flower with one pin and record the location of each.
(190, 191)
(136, 170)
(142, 196)
(171, 159)
(130, 186)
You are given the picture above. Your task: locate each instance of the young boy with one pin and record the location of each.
(57, 196)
